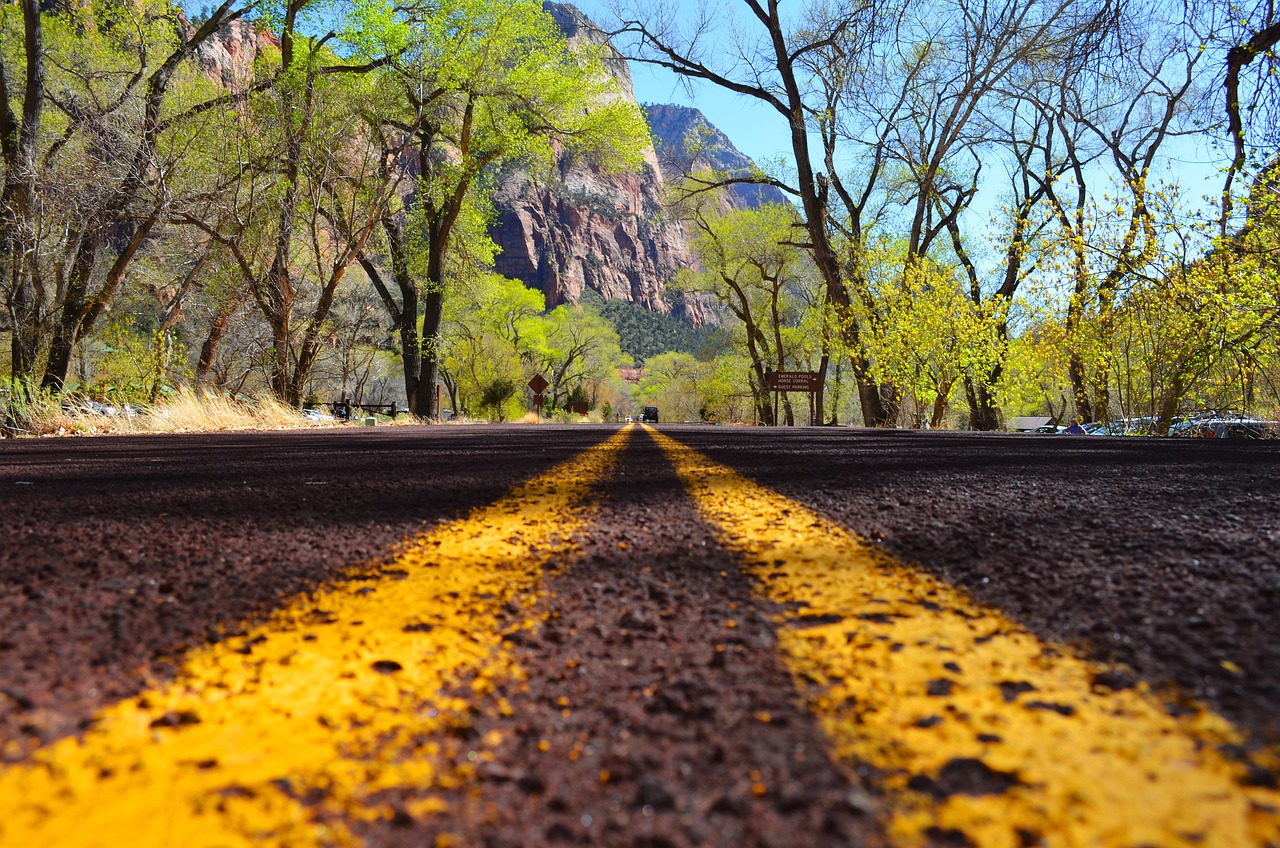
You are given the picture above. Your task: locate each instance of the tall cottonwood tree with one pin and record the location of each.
(84, 180)
(296, 187)
(480, 83)
(1250, 35)
(889, 107)
(749, 264)
(1127, 103)
(769, 62)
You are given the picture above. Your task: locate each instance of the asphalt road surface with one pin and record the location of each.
(671, 636)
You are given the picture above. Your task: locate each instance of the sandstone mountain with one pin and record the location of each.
(584, 229)
(687, 143)
(229, 55)
(611, 233)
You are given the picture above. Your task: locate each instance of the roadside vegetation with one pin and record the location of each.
(184, 412)
(987, 217)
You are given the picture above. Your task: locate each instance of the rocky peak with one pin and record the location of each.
(687, 142)
(577, 27)
(585, 229)
(229, 55)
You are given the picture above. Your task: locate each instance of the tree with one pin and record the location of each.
(770, 63)
(67, 240)
(1202, 320)
(492, 330)
(750, 265)
(930, 337)
(1119, 115)
(301, 191)
(580, 349)
(671, 383)
(1249, 32)
(907, 86)
(480, 83)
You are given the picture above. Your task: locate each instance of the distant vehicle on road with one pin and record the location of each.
(649, 415)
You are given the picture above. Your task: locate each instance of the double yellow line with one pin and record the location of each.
(341, 695)
(973, 725)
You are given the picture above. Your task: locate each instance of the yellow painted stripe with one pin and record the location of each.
(909, 675)
(338, 697)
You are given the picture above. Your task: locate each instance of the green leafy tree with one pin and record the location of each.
(580, 348)
(749, 263)
(928, 336)
(85, 182)
(480, 83)
(491, 329)
(671, 383)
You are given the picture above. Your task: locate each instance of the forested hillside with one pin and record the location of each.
(643, 333)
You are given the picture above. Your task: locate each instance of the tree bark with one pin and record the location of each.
(19, 143)
(209, 350)
(984, 413)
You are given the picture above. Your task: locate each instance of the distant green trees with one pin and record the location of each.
(499, 334)
(643, 334)
(92, 98)
(313, 218)
(478, 83)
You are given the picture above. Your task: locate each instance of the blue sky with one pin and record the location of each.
(762, 133)
(757, 131)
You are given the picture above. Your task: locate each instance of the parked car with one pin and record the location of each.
(316, 415)
(1098, 428)
(1224, 426)
(1249, 428)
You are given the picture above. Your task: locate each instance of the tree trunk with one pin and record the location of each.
(835, 396)
(280, 356)
(411, 355)
(939, 411)
(820, 396)
(432, 314)
(24, 344)
(984, 413)
(879, 406)
(1169, 404)
(74, 305)
(217, 330)
(80, 311)
(20, 145)
(1080, 388)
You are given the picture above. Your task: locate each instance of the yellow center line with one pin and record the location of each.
(971, 723)
(340, 696)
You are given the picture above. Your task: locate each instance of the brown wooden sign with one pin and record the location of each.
(581, 408)
(794, 381)
(538, 384)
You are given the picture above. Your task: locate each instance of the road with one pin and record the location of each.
(638, 636)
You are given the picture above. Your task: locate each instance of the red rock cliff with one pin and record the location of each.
(587, 229)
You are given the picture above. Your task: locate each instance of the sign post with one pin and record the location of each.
(539, 385)
(795, 381)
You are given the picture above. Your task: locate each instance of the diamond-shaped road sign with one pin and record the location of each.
(538, 383)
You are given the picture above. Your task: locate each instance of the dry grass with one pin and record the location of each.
(185, 412)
